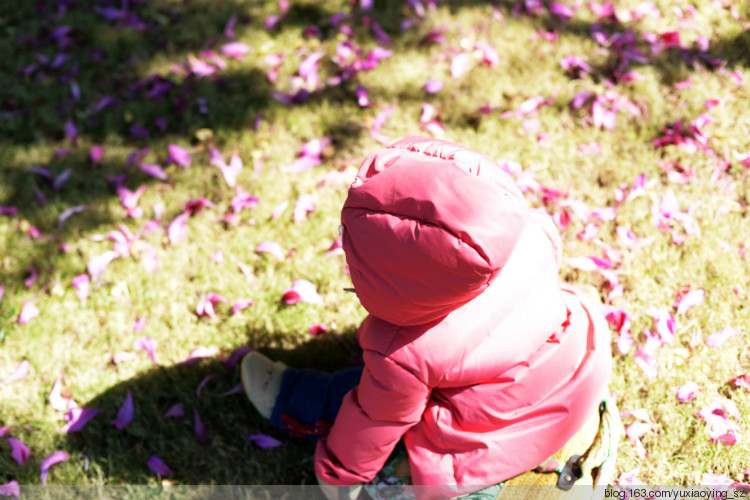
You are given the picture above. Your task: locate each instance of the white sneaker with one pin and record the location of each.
(261, 379)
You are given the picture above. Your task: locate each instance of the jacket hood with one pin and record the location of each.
(428, 225)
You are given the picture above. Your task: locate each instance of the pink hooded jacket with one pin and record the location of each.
(475, 353)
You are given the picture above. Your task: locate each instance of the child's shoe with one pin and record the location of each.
(261, 379)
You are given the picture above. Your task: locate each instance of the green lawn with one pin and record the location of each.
(638, 149)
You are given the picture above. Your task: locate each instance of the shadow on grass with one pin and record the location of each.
(229, 458)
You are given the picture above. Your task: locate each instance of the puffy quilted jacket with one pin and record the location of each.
(475, 353)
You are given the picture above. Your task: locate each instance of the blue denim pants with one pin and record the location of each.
(309, 400)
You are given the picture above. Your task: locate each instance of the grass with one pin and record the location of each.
(80, 338)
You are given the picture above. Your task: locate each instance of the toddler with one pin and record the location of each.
(475, 354)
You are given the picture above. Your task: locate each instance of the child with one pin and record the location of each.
(475, 354)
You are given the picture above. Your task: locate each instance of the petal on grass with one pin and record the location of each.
(177, 411)
(237, 389)
(19, 451)
(47, 462)
(28, 312)
(153, 170)
(203, 383)
(82, 285)
(98, 264)
(179, 155)
(264, 441)
(690, 299)
(149, 345)
(241, 304)
(57, 400)
(687, 391)
(718, 338)
(302, 291)
(272, 248)
(10, 489)
(201, 353)
(178, 228)
(78, 418)
(158, 466)
(237, 355)
(206, 305)
(304, 205)
(125, 415)
(199, 431)
(18, 374)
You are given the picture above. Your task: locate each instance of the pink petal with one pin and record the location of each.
(203, 383)
(153, 170)
(217, 256)
(240, 305)
(238, 354)
(647, 362)
(28, 312)
(433, 86)
(98, 264)
(305, 204)
(77, 418)
(175, 411)
(178, 228)
(2, 292)
(716, 480)
(271, 247)
(690, 299)
(19, 373)
(588, 263)
(10, 489)
(139, 324)
(125, 415)
(718, 338)
(206, 305)
(742, 381)
(179, 155)
(160, 468)
(56, 399)
(201, 353)
(231, 171)
(150, 259)
(235, 50)
(54, 458)
(19, 451)
(5, 430)
(459, 65)
(81, 283)
(302, 291)
(279, 209)
(630, 478)
(687, 391)
(489, 54)
(149, 345)
(199, 431)
(318, 329)
(264, 441)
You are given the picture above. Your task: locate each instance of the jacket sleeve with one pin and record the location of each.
(388, 401)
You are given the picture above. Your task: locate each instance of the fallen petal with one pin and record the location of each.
(18, 374)
(10, 489)
(201, 353)
(718, 338)
(272, 248)
(179, 155)
(687, 391)
(57, 400)
(54, 458)
(98, 264)
(240, 305)
(690, 299)
(264, 441)
(77, 418)
(149, 345)
(158, 466)
(175, 411)
(82, 283)
(125, 415)
(199, 431)
(203, 383)
(178, 228)
(19, 451)
(28, 312)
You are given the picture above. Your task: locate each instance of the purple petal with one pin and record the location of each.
(176, 411)
(61, 179)
(178, 228)
(8, 210)
(238, 354)
(57, 400)
(54, 458)
(237, 389)
(264, 441)
(71, 132)
(67, 213)
(153, 170)
(179, 155)
(96, 153)
(125, 415)
(19, 451)
(149, 345)
(28, 312)
(199, 431)
(203, 383)
(10, 489)
(78, 418)
(160, 468)
(459, 65)
(19, 373)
